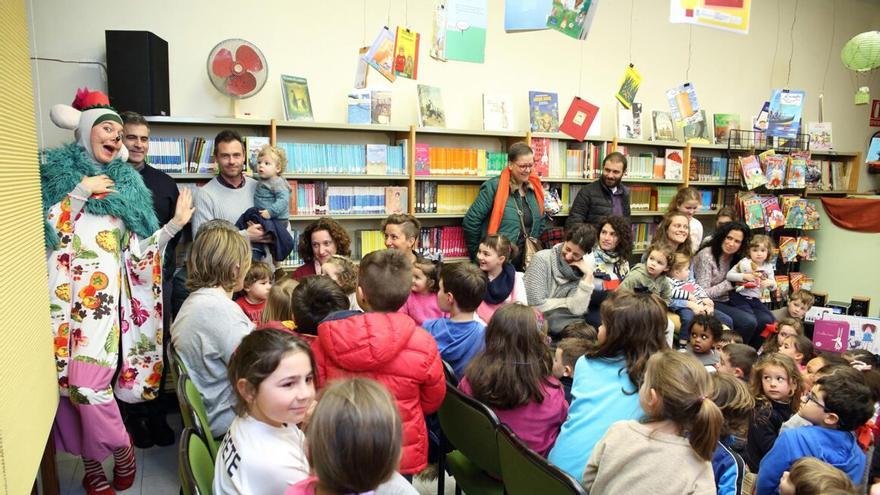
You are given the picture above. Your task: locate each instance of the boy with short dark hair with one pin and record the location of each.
(728, 337)
(568, 351)
(313, 299)
(257, 284)
(737, 360)
(459, 337)
(837, 404)
(388, 347)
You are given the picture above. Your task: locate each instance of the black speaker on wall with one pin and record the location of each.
(859, 306)
(137, 72)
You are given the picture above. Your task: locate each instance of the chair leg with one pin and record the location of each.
(457, 489)
(441, 474)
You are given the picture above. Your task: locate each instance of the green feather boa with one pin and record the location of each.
(64, 167)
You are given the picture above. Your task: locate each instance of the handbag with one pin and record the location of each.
(531, 245)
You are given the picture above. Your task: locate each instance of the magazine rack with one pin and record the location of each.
(746, 139)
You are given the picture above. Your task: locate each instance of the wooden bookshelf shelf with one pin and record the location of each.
(456, 259)
(830, 193)
(306, 218)
(296, 176)
(706, 213)
(565, 137)
(192, 176)
(654, 181)
(456, 178)
(572, 180)
(642, 142)
(470, 132)
(226, 121)
(647, 213)
(439, 215)
(294, 124)
(711, 183)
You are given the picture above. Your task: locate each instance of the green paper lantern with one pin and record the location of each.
(862, 53)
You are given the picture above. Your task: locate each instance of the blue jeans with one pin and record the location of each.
(762, 315)
(686, 316)
(744, 322)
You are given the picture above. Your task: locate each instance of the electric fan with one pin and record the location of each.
(238, 69)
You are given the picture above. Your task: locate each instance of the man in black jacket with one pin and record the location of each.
(604, 197)
(146, 421)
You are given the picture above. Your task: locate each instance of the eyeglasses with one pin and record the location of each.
(524, 166)
(809, 397)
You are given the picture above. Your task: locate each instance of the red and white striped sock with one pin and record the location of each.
(124, 468)
(95, 481)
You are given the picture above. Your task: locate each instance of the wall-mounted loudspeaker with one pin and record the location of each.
(137, 72)
(859, 306)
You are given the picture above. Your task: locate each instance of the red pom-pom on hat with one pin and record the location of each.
(86, 99)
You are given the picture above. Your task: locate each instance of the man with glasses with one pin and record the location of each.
(604, 197)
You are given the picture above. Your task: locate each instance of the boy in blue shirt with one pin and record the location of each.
(459, 337)
(837, 404)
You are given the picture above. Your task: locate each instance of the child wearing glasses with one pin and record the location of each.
(836, 405)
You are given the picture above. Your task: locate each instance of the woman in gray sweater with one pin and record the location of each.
(559, 280)
(210, 325)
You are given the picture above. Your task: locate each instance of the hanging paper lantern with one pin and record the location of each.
(862, 53)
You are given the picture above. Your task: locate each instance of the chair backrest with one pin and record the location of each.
(470, 427)
(450, 374)
(177, 367)
(193, 412)
(195, 464)
(524, 471)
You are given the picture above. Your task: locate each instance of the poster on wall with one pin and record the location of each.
(728, 15)
(784, 119)
(526, 15)
(466, 22)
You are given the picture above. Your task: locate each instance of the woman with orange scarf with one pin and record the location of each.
(511, 205)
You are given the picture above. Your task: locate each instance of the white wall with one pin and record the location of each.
(318, 40)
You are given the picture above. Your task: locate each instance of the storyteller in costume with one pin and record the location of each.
(105, 251)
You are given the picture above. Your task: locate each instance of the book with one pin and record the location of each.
(784, 117)
(406, 53)
(395, 200)
(797, 171)
(295, 92)
(724, 123)
(380, 106)
(774, 170)
(572, 18)
(629, 86)
(663, 129)
(753, 212)
(788, 249)
(380, 56)
(359, 106)
(423, 161)
(762, 120)
(254, 144)
(360, 73)
(431, 112)
(811, 216)
(578, 118)
(698, 132)
(794, 217)
(543, 111)
(377, 159)
(497, 112)
(813, 176)
(751, 172)
(526, 16)
(629, 121)
(830, 335)
(806, 250)
(820, 135)
(781, 286)
(684, 105)
(673, 165)
(541, 147)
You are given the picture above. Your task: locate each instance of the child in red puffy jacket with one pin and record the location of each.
(388, 347)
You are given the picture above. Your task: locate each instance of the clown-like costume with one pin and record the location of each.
(105, 251)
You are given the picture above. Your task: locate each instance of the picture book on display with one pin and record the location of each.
(775, 167)
(629, 121)
(820, 135)
(663, 128)
(684, 105)
(297, 104)
(406, 53)
(797, 171)
(431, 112)
(795, 214)
(751, 172)
(254, 144)
(629, 86)
(788, 249)
(813, 177)
(380, 106)
(724, 123)
(673, 164)
(811, 216)
(698, 132)
(359, 106)
(380, 56)
(753, 212)
(543, 111)
(773, 216)
(578, 118)
(785, 113)
(423, 160)
(497, 112)
(806, 250)
(572, 18)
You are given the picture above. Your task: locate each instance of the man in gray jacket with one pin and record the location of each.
(604, 197)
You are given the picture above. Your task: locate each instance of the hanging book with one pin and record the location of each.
(297, 104)
(359, 106)
(626, 95)
(406, 53)
(724, 123)
(360, 74)
(380, 56)
(811, 216)
(663, 128)
(578, 118)
(785, 113)
(438, 32)
(684, 105)
(673, 165)
(788, 249)
(497, 112)
(629, 121)
(698, 132)
(431, 112)
(751, 172)
(543, 111)
(572, 18)
(380, 106)
(820, 135)
(774, 170)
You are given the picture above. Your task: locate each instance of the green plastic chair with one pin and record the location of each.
(526, 472)
(177, 367)
(451, 379)
(469, 427)
(193, 412)
(195, 464)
